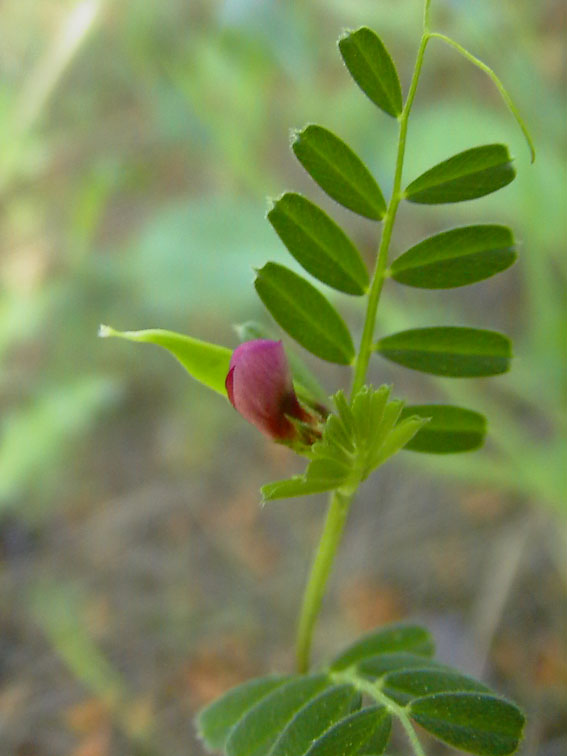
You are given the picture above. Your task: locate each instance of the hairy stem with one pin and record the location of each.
(315, 589)
(340, 503)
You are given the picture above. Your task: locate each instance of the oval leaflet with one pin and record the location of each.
(458, 257)
(450, 351)
(451, 429)
(318, 243)
(338, 171)
(304, 313)
(372, 67)
(468, 175)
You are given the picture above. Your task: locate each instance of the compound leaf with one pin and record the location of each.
(302, 311)
(457, 257)
(473, 722)
(338, 171)
(449, 351)
(318, 244)
(470, 174)
(451, 429)
(372, 67)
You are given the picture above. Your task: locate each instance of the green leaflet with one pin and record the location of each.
(395, 638)
(314, 719)
(350, 734)
(473, 722)
(449, 351)
(407, 684)
(397, 439)
(451, 429)
(207, 363)
(318, 244)
(470, 174)
(215, 722)
(457, 257)
(338, 171)
(379, 739)
(372, 67)
(302, 311)
(382, 663)
(299, 485)
(259, 728)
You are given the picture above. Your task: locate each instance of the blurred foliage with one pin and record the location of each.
(138, 141)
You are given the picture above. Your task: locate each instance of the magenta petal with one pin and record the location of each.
(228, 385)
(260, 387)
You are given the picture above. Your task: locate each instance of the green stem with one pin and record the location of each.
(426, 15)
(313, 596)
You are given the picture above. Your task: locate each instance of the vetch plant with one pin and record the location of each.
(348, 707)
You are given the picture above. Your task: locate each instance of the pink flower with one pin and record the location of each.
(259, 386)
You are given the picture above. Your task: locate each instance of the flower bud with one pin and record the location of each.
(259, 386)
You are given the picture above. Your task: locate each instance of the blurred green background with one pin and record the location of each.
(138, 576)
